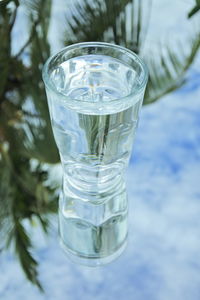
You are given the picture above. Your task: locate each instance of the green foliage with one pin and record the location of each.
(25, 132)
(167, 70)
(195, 9)
(126, 23)
(23, 196)
(98, 15)
(22, 245)
(108, 20)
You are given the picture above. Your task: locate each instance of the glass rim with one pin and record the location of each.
(131, 54)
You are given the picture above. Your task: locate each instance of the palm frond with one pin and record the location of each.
(5, 57)
(11, 229)
(38, 12)
(168, 68)
(123, 22)
(98, 15)
(130, 26)
(38, 133)
(23, 248)
(32, 6)
(23, 195)
(195, 9)
(5, 200)
(140, 16)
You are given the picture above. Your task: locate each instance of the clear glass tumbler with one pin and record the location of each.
(95, 92)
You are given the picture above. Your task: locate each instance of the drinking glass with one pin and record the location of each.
(95, 92)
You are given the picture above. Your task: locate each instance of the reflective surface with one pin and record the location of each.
(162, 259)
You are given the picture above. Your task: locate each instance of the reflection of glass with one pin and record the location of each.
(95, 91)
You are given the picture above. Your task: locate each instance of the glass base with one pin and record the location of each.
(92, 261)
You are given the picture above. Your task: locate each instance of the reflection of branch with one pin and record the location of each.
(18, 179)
(173, 83)
(29, 114)
(145, 30)
(163, 93)
(25, 112)
(28, 41)
(195, 9)
(13, 19)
